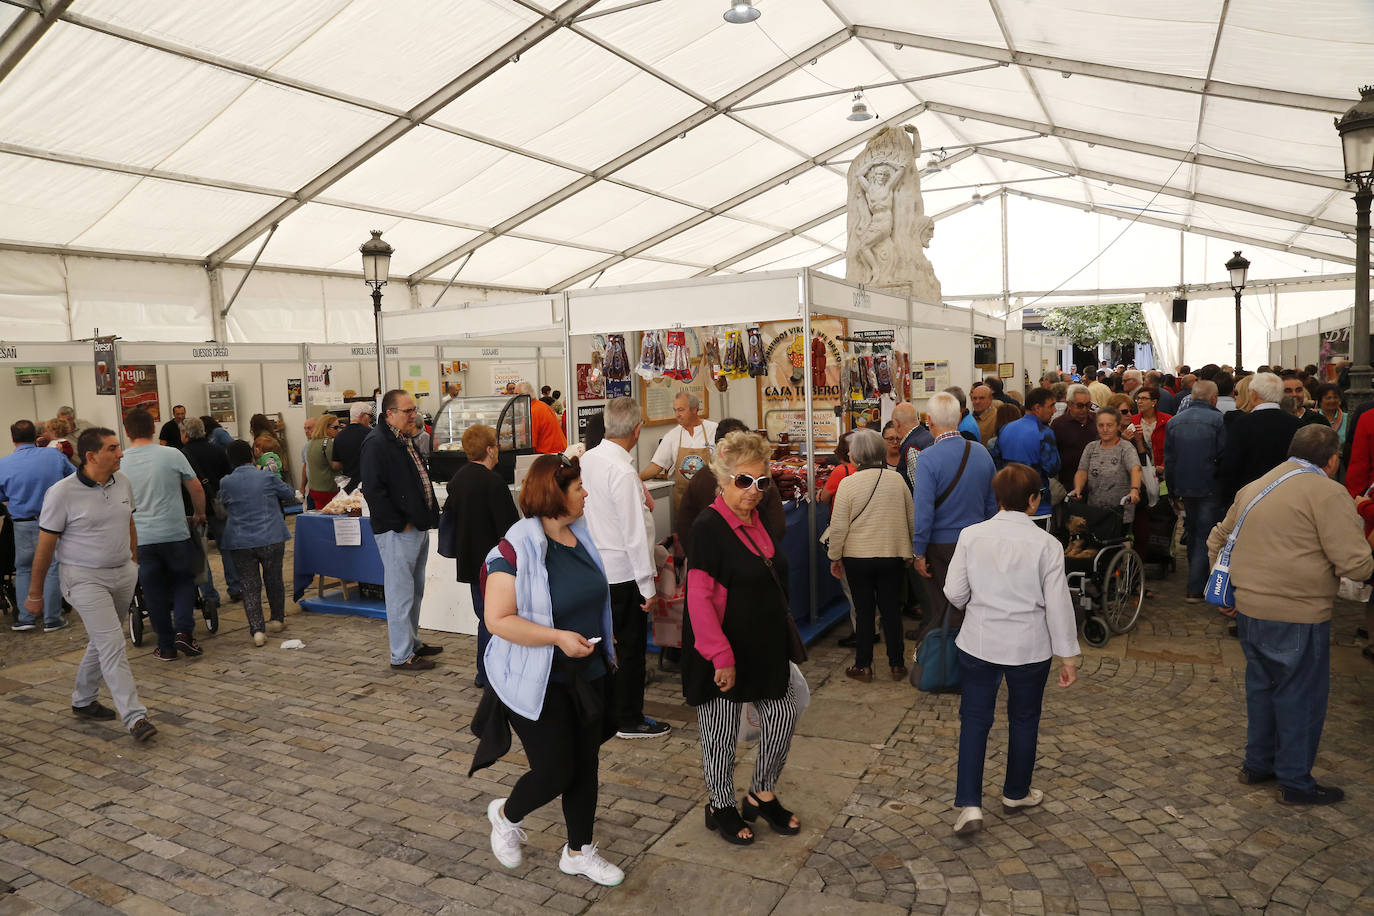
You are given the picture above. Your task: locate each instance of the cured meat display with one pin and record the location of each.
(677, 363)
(617, 361)
(758, 363)
(651, 356)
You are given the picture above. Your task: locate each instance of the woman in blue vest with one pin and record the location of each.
(548, 666)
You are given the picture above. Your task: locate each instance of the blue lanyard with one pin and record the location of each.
(1304, 467)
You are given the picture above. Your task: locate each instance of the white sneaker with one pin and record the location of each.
(590, 864)
(259, 639)
(1033, 798)
(505, 836)
(970, 821)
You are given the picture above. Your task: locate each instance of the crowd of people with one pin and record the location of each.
(949, 508)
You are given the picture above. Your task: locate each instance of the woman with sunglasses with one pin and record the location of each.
(735, 642)
(870, 544)
(320, 465)
(548, 667)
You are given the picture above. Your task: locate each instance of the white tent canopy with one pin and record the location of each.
(532, 147)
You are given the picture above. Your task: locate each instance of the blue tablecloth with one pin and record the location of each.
(794, 542)
(318, 555)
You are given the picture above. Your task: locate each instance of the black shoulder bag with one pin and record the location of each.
(796, 648)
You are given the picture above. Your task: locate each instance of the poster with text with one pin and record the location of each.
(138, 388)
(293, 392)
(617, 388)
(584, 413)
(589, 388)
(506, 377)
(783, 392)
(928, 377)
(104, 357)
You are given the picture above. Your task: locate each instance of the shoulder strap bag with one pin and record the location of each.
(1220, 592)
(796, 647)
(824, 537)
(963, 463)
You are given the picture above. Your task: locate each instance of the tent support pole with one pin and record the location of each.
(569, 393)
(813, 573)
(224, 312)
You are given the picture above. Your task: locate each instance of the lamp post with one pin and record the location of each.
(376, 269)
(1356, 128)
(1238, 268)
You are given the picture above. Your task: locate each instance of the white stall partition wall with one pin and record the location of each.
(72, 384)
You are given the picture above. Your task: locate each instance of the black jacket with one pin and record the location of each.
(391, 485)
(483, 511)
(209, 462)
(348, 451)
(1256, 443)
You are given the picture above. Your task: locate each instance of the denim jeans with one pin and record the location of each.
(1025, 691)
(483, 634)
(166, 573)
(1287, 679)
(403, 576)
(25, 543)
(1203, 514)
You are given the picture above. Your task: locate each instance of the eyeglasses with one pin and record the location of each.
(745, 481)
(892, 439)
(407, 410)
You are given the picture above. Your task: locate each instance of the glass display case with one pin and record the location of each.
(219, 398)
(509, 416)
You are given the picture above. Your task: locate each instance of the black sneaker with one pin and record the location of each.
(646, 729)
(24, 627)
(142, 730)
(235, 597)
(58, 624)
(185, 642)
(1249, 777)
(1317, 795)
(414, 663)
(93, 710)
(168, 656)
(425, 651)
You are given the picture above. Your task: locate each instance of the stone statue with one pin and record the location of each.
(888, 227)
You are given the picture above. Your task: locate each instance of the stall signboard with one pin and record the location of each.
(319, 377)
(506, 377)
(584, 413)
(783, 392)
(1334, 354)
(104, 356)
(138, 388)
(1006, 370)
(617, 388)
(33, 375)
(928, 377)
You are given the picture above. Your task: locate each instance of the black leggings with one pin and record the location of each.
(562, 751)
(876, 584)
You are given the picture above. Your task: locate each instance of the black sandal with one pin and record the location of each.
(728, 823)
(778, 817)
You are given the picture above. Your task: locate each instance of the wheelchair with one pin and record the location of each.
(1106, 576)
(138, 615)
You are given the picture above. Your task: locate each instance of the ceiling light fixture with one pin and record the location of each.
(859, 111)
(741, 12)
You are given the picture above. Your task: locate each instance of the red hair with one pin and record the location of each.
(544, 493)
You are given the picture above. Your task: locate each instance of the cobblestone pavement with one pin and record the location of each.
(319, 781)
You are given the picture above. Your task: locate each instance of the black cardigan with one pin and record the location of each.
(483, 511)
(1256, 443)
(391, 485)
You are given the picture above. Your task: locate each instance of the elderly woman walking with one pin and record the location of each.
(1017, 616)
(735, 642)
(255, 535)
(870, 543)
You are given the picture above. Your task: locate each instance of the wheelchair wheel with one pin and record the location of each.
(211, 614)
(136, 616)
(9, 599)
(1096, 633)
(1123, 591)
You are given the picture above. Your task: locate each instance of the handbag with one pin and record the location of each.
(1220, 591)
(796, 646)
(1149, 478)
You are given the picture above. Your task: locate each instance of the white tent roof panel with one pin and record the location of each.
(166, 216)
(962, 20)
(1174, 36)
(608, 216)
(638, 270)
(30, 186)
(518, 262)
(1307, 141)
(568, 99)
(712, 241)
(1132, 112)
(689, 42)
(123, 103)
(1283, 195)
(327, 237)
(274, 137)
(711, 164)
(802, 199)
(135, 298)
(33, 295)
(1322, 46)
(795, 252)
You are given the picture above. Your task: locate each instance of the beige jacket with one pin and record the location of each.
(1293, 547)
(884, 528)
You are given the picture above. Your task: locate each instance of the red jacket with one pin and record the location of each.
(1157, 440)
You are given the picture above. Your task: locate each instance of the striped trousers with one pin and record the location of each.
(718, 722)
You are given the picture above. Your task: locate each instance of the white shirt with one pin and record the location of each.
(1020, 611)
(703, 436)
(615, 515)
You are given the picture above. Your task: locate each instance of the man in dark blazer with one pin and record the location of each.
(1256, 442)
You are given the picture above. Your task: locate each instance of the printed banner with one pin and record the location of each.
(506, 376)
(293, 392)
(782, 393)
(138, 388)
(104, 365)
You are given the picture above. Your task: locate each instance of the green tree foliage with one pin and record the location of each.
(1089, 325)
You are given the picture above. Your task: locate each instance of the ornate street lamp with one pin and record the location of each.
(1356, 128)
(1238, 267)
(376, 269)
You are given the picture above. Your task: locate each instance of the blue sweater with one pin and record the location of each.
(1028, 441)
(969, 503)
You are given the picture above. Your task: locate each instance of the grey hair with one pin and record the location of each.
(1204, 391)
(943, 411)
(1315, 442)
(65, 411)
(525, 388)
(866, 446)
(742, 448)
(1050, 375)
(958, 396)
(1268, 386)
(195, 429)
(1077, 389)
(1131, 373)
(622, 417)
(693, 402)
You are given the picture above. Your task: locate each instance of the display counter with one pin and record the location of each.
(830, 601)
